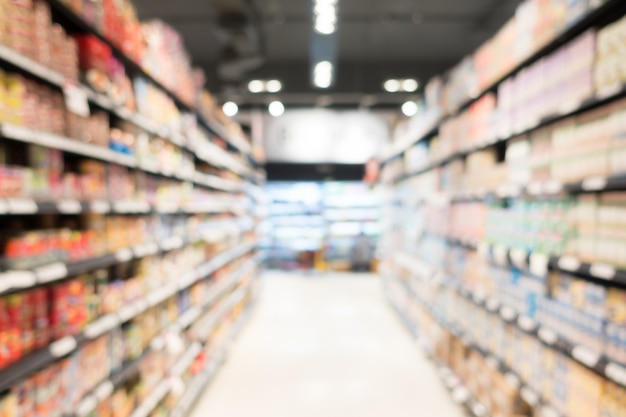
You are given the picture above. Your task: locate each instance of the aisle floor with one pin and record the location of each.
(325, 346)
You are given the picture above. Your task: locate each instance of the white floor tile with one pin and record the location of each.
(325, 346)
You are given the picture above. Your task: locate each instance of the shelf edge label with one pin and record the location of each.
(52, 272)
(62, 347)
(603, 271)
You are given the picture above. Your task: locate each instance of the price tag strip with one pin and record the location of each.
(569, 263)
(101, 326)
(51, 273)
(548, 336)
(76, 99)
(62, 347)
(616, 372)
(69, 207)
(594, 184)
(586, 356)
(603, 271)
(22, 206)
(539, 264)
(526, 323)
(530, 396)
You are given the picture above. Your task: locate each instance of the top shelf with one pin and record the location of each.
(77, 23)
(599, 14)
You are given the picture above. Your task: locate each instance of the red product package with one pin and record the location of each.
(112, 22)
(93, 54)
(4, 336)
(60, 311)
(41, 300)
(28, 322)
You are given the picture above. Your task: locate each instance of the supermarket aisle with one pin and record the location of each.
(326, 346)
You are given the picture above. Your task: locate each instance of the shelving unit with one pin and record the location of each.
(156, 243)
(502, 250)
(599, 11)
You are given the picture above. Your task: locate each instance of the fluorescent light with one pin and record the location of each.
(323, 74)
(410, 85)
(325, 28)
(325, 20)
(392, 86)
(276, 108)
(256, 86)
(409, 108)
(325, 10)
(230, 109)
(273, 86)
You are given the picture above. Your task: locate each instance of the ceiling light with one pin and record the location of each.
(325, 28)
(323, 74)
(409, 109)
(230, 109)
(276, 108)
(392, 86)
(325, 10)
(256, 86)
(325, 2)
(273, 86)
(410, 85)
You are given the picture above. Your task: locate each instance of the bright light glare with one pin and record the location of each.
(325, 10)
(325, 28)
(410, 85)
(230, 109)
(323, 74)
(392, 86)
(273, 86)
(276, 108)
(409, 109)
(325, 16)
(256, 86)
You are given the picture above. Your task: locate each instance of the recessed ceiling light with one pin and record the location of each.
(325, 10)
(325, 28)
(323, 74)
(256, 86)
(325, 2)
(410, 85)
(409, 109)
(392, 86)
(273, 86)
(230, 109)
(276, 108)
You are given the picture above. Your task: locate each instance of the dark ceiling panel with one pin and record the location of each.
(377, 38)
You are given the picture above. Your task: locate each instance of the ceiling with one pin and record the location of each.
(375, 39)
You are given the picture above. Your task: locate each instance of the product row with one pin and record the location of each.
(590, 227)
(588, 145)
(53, 391)
(48, 175)
(28, 242)
(32, 319)
(26, 27)
(535, 24)
(582, 312)
(587, 67)
(563, 383)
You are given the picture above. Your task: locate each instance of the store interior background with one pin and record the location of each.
(325, 134)
(204, 235)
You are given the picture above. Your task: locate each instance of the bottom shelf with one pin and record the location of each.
(199, 384)
(173, 396)
(490, 388)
